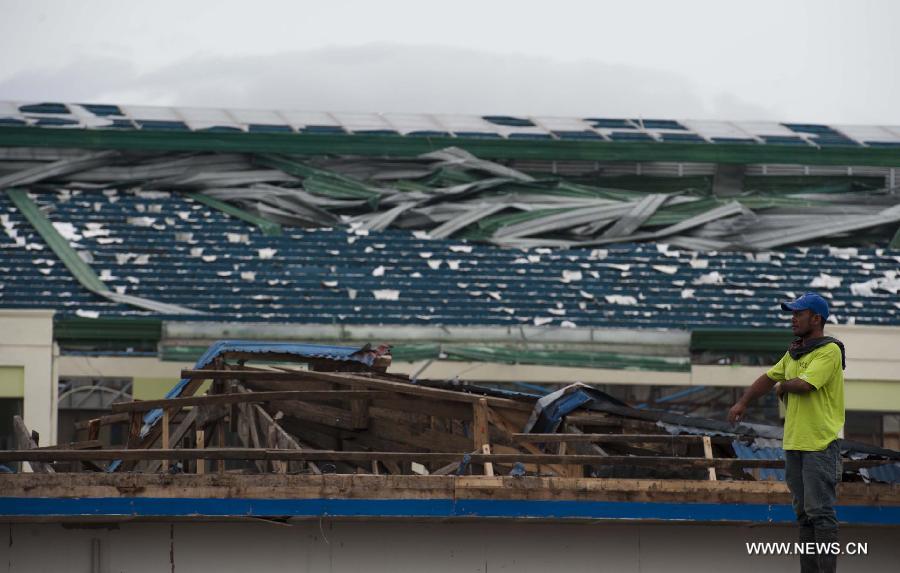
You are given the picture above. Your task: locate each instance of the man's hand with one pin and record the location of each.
(736, 413)
(761, 387)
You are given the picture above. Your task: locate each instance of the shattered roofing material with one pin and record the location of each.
(452, 193)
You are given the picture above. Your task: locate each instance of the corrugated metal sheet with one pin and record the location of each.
(755, 452)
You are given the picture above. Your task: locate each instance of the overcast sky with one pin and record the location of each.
(798, 60)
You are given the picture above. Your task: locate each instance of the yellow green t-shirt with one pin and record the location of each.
(814, 419)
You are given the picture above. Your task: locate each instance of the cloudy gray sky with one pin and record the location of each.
(800, 60)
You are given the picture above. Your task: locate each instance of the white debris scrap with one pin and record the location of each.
(699, 263)
(542, 320)
(435, 264)
(461, 248)
(825, 280)
(265, 254)
(666, 269)
(67, 230)
(620, 299)
(742, 292)
(889, 283)
(87, 313)
(569, 276)
(141, 221)
(378, 271)
(687, 293)
(713, 278)
(248, 275)
(454, 265)
(386, 294)
(567, 324)
(94, 230)
(844, 254)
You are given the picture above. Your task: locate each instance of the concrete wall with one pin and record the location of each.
(26, 342)
(476, 547)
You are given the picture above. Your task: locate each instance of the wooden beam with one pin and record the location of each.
(505, 425)
(421, 457)
(359, 411)
(165, 437)
(287, 440)
(480, 433)
(607, 438)
(304, 486)
(351, 380)
(180, 431)
(201, 444)
(102, 420)
(220, 440)
(708, 454)
(84, 445)
(235, 398)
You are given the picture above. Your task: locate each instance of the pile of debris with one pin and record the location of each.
(322, 409)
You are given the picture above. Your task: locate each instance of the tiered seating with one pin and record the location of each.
(192, 255)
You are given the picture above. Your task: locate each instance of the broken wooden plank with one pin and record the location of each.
(235, 398)
(102, 420)
(26, 440)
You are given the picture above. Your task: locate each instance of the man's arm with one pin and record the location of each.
(795, 386)
(762, 386)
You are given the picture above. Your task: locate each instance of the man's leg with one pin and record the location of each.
(793, 470)
(821, 474)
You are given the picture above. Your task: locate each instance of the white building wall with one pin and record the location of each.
(391, 547)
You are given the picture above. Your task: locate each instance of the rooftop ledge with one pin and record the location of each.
(129, 497)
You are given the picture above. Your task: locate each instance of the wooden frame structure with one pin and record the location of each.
(344, 418)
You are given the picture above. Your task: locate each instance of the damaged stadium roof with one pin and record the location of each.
(442, 236)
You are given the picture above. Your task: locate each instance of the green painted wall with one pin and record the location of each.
(12, 381)
(872, 395)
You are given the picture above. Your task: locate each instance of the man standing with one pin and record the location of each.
(810, 380)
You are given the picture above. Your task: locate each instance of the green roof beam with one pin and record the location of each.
(410, 146)
(82, 272)
(268, 227)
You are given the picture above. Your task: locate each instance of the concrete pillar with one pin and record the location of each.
(26, 340)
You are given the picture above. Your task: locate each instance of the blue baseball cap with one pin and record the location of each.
(809, 301)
